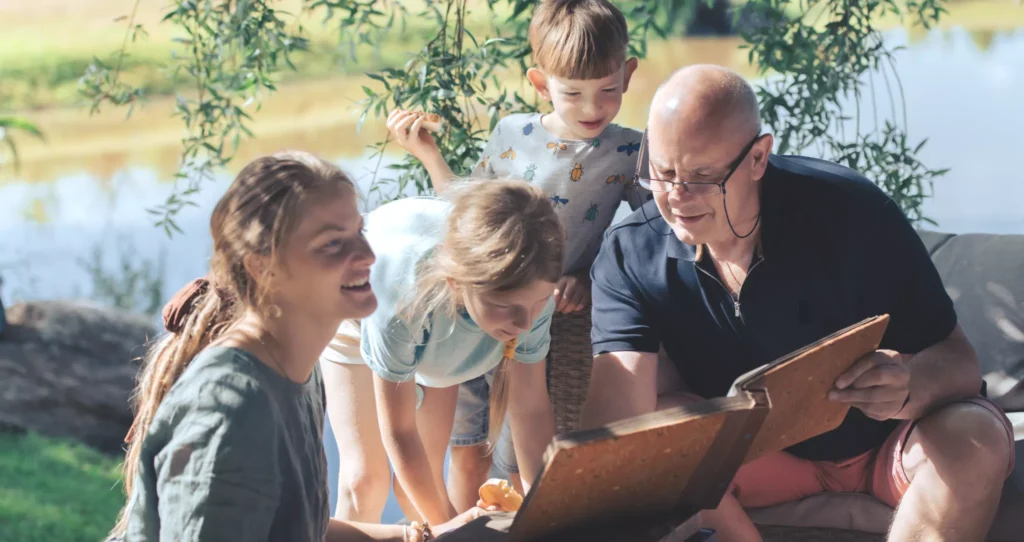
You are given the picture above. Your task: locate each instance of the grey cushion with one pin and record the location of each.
(984, 275)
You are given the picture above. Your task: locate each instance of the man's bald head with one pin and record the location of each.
(704, 130)
(706, 99)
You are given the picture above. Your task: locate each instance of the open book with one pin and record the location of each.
(797, 385)
(668, 465)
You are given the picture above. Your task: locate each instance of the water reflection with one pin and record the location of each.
(961, 92)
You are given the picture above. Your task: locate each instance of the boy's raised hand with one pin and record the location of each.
(406, 128)
(572, 293)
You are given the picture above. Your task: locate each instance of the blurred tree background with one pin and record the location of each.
(231, 54)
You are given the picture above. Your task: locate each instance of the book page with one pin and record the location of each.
(737, 385)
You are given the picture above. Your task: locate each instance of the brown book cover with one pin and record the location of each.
(797, 386)
(670, 464)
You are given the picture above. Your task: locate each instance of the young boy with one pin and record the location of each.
(577, 156)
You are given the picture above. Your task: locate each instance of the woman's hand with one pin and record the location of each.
(459, 520)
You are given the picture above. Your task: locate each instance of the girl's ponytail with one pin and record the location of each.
(196, 317)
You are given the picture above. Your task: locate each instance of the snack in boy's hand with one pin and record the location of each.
(431, 121)
(498, 492)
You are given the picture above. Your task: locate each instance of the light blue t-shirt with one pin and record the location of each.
(586, 179)
(441, 352)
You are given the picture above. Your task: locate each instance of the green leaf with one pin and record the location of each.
(10, 124)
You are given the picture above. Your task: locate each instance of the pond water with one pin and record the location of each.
(80, 205)
(963, 96)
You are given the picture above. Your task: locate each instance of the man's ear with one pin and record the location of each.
(539, 80)
(760, 152)
(630, 67)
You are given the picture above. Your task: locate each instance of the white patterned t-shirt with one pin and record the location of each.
(586, 180)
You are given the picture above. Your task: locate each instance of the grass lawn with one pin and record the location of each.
(55, 490)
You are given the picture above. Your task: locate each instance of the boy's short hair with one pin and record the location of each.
(578, 39)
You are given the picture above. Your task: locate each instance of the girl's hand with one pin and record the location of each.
(459, 520)
(489, 508)
(406, 128)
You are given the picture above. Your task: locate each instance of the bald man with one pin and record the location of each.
(744, 256)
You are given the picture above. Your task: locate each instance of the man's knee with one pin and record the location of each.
(962, 441)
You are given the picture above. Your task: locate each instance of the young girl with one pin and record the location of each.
(227, 440)
(463, 285)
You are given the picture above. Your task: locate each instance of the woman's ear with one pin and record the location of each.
(258, 268)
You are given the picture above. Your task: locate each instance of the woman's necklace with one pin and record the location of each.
(273, 357)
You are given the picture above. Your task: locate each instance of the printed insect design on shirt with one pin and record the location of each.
(616, 179)
(596, 142)
(528, 129)
(529, 173)
(577, 172)
(510, 154)
(591, 214)
(556, 146)
(557, 200)
(630, 148)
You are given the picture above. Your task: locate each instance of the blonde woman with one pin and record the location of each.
(465, 289)
(227, 442)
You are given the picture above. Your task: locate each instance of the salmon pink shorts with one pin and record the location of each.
(781, 477)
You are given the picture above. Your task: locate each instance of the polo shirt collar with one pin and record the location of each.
(771, 203)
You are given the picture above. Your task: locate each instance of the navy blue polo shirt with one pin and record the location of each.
(835, 249)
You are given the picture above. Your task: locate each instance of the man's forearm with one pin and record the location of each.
(622, 385)
(944, 372)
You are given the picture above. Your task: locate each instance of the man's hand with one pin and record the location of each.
(572, 293)
(407, 129)
(878, 384)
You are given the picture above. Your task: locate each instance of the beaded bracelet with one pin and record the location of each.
(422, 529)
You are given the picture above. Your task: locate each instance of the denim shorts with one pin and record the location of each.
(472, 415)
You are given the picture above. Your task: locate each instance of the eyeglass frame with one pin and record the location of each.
(643, 160)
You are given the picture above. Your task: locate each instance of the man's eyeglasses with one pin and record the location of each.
(642, 179)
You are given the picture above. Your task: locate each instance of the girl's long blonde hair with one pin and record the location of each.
(501, 235)
(256, 215)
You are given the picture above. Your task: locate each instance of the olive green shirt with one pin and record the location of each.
(235, 452)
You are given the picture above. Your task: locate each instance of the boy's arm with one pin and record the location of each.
(407, 129)
(439, 170)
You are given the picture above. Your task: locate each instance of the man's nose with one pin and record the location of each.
(679, 194)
